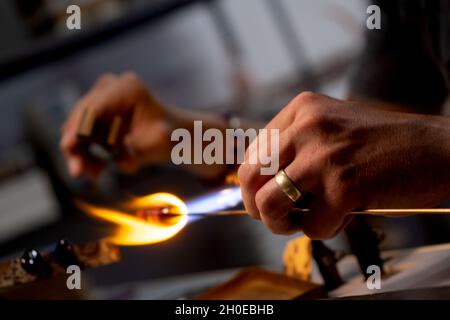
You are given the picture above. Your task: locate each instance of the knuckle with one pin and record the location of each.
(65, 144)
(131, 77)
(323, 224)
(252, 211)
(252, 214)
(315, 233)
(63, 147)
(264, 203)
(104, 78)
(342, 184)
(306, 97)
(316, 118)
(244, 175)
(272, 212)
(311, 119)
(134, 83)
(276, 227)
(271, 202)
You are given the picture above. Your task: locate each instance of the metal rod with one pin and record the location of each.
(375, 212)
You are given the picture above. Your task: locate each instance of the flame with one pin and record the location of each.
(135, 231)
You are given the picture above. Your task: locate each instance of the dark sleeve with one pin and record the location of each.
(395, 65)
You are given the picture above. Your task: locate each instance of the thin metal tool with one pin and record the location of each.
(375, 212)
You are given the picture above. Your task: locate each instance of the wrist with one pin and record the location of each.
(435, 157)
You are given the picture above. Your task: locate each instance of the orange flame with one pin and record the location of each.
(135, 231)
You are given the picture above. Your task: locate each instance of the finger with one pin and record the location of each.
(101, 84)
(113, 95)
(275, 206)
(75, 165)
(69, 141)
(322, 221)
(91, 167)
(287, 116)
(347, 219)
(126, 160)
(127, 165)
(144, 145)
(251, 179)
(136, 92)
(93, 171)
(104, 81)
(70, 128)
(284, 118)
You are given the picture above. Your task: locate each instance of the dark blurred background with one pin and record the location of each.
(250, 57)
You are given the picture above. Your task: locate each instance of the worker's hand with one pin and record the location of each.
(348, 156)
(148, 138)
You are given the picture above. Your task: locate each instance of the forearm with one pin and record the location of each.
(412, 162)
(382, 104)
(437, 154)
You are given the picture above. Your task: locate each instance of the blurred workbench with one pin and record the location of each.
(410, 269)
(56, 47)
(422, 273)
